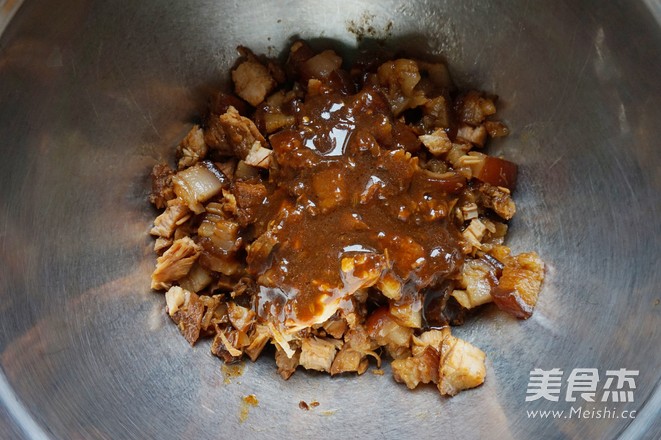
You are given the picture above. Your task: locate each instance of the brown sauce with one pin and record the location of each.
(351, 187)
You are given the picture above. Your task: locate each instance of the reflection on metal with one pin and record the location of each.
(7, 10)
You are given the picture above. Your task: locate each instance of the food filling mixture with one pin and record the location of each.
(341, 213)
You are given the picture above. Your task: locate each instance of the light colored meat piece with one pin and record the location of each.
(240, 317)
(390, 285)
(473, 108)
(186, 310)
(407, 313)
(415, 370)
(461, 366)
(437, 143)
(252, 81)
(436, 113)
(386, 331)
(321, 65)
(175, 297)
(197, 184)
(318, 354)
(475, 135)
(335, 327)
(258, 156)
(192, 148)
(162, 244)
(174, 215)
(399, 77)
(197, 278)
(474, 233)
(228, 344)
(174, 263)
(476, 280)
(430, 338)
(286, 364)
(353, 354)
(347, 361)
(361, 270)
(259, 337)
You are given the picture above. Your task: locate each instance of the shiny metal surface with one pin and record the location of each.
(94, 93)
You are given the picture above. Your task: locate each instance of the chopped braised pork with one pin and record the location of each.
(342, 215)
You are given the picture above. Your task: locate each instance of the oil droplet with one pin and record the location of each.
(246, 403)
(231, 371)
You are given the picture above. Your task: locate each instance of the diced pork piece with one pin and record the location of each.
(192, 149)
(241, 133)
(474, 233)
(461, 367)
(240, 317)
(318, 354)
(286, 365)
(226, 344)
(430, 338)
(258, 156)
(473, 108)
(259, 337)
(228, 167)
(399, 78)
(321, 65)
(437, 143)
(477, 278)
(415, 370)
(384, 329)
(275, 121)
(161, 185)
(520, 283)
(214, 314)
(497, 199)
(335, 327)
(197, 278)
(175, 298)
(198, 184)
(496, 129)
(186, 311)
(353, 354)
(249, 197)
(174, 215)
(348, 360)
(390, 285)
(174, 263)
(252, 81)
(162, 244)
(215, 136)
(475, 135)
(218, 234)
(407, 311)
(436, 114)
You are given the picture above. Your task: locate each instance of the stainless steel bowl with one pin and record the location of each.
(94, 93)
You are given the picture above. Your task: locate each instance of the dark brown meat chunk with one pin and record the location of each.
(161, 185)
